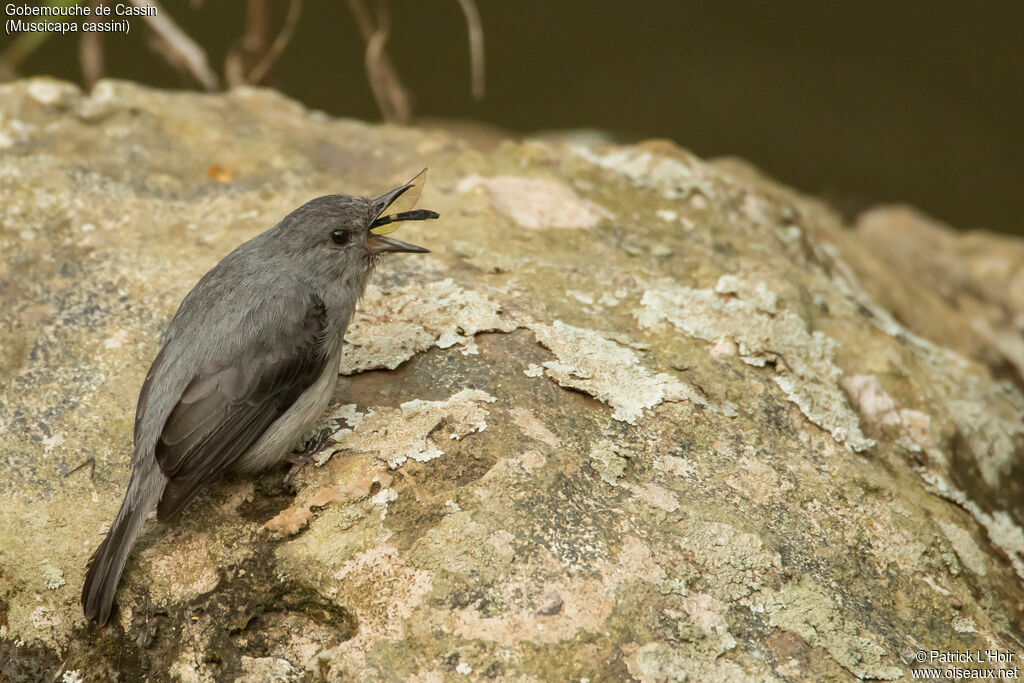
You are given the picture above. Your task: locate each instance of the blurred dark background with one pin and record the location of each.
(858, 102)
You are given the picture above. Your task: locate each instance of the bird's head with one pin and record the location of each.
(341, 235)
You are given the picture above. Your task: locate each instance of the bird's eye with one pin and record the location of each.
(341, 236)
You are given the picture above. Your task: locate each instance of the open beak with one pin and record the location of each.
(379, 244)
(381, 203)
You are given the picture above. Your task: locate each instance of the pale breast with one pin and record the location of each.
(281, 437)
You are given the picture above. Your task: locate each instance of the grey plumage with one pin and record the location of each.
(247, 365)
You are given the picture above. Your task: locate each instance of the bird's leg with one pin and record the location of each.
(301, 458)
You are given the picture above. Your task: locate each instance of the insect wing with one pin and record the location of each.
(404, 204)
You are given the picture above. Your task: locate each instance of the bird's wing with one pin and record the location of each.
(140, 408)
(228, 405)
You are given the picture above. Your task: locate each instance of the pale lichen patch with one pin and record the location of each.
(965, 547)
(45, 618)
(757, 293)
(674, 178)
(878, 407)
(610, 372)
(53, 441)
(53, 578)
(657, 496)
(340, 420)
(874, 402)
(397, 435)
(708, 612)
(658, 662)
(530, 608)
(49, 91)
(537, 203)
(736, 562)
(677, 465)
(607, 460)
(347, 413)
(1004, 533)
(533, 370)
(749, 315)
(988, 436)
(805, 608)
(391, 326)
(964, 625)
(584, 606)
(266, 669)
(991, 438)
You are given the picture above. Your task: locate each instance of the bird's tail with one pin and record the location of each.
(107, 563)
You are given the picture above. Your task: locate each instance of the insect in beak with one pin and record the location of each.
(400, 201)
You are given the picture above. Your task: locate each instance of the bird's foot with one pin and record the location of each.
(301, 458)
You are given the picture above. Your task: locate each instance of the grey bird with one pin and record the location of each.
(248, 363)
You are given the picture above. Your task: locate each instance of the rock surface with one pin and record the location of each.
(638, 415)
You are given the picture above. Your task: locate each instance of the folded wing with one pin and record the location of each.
(229, 404)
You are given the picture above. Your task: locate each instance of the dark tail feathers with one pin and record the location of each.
(107, 563)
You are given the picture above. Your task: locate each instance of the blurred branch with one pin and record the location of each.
(253, 42)
(259, 71)
(176, 47)
(391, 96)
(24, 45)
(90, 53)
(476, 47)
(250, 58)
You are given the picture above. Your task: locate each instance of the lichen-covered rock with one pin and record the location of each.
(638, 415)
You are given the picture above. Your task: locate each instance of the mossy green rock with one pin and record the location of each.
(638, 415)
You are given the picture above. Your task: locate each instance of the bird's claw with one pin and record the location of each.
(301, 458)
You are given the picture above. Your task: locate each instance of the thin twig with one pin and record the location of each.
(252, 43)
(363, 19)
(396, 93)
(387, 88)
(259, 71)
(176, 47)
(476, 47)
(376, 73)
(91, 462)
(90, 52)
